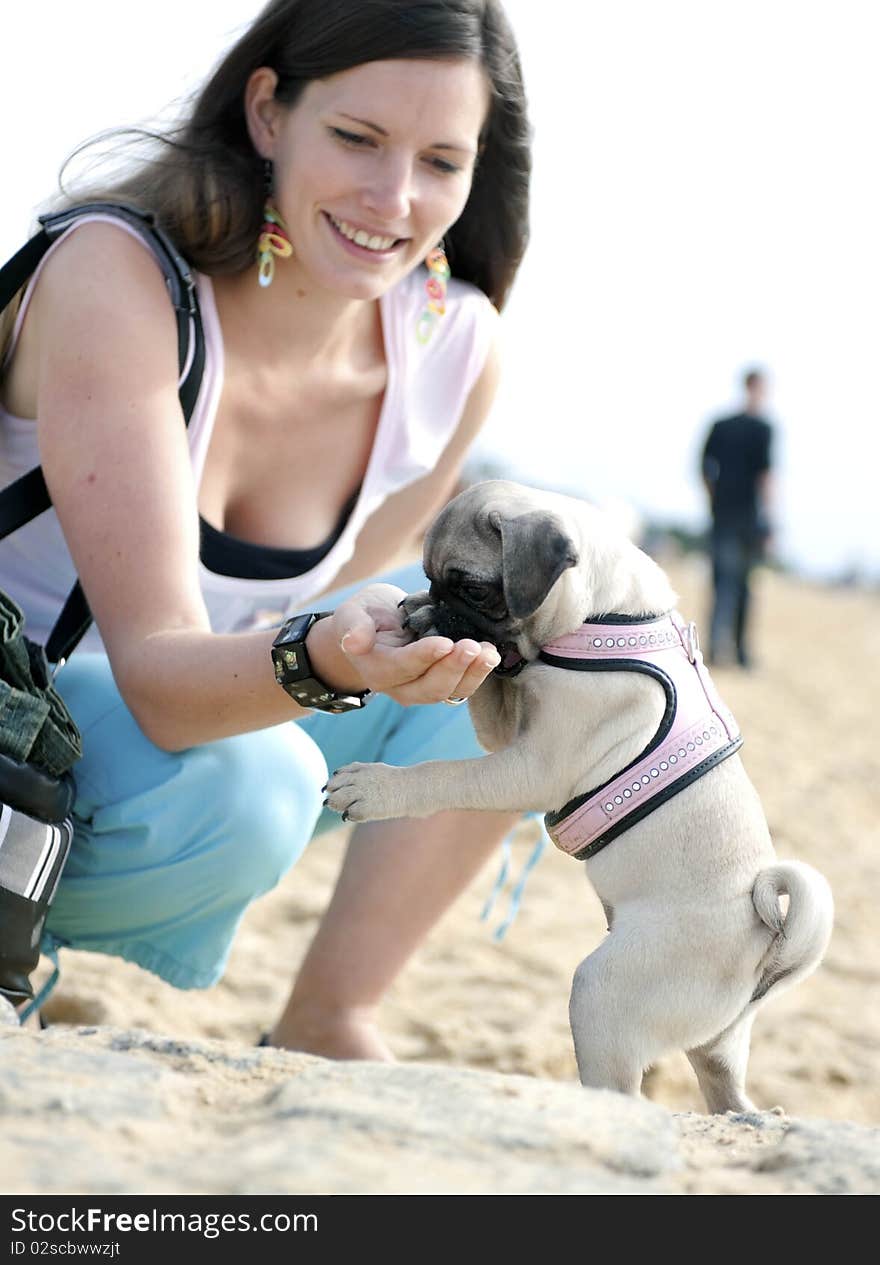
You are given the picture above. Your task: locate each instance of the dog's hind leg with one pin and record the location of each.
(607, 1054)
(721, 1065)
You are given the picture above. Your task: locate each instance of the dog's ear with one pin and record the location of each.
(534, 553)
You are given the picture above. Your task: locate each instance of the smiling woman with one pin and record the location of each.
(343, 139)
(367, 201)
(205, 182)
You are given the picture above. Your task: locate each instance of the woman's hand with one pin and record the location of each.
(364, 646)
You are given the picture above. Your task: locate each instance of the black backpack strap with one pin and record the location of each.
(23, 500)
(71, 626)
(17, 270)
(28, 496)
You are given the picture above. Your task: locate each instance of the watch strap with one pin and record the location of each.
(294, 672)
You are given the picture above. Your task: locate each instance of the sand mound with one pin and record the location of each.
(809, 715)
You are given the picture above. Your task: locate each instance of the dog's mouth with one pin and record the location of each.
(457, 625)
(512, 661)
(453, 622)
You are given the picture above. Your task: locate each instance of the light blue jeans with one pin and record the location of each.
(170, 848)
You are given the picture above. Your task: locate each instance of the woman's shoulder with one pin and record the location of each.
(439, 361)
(101, 246)
(100, 298)
(468, 312)
(101, 271)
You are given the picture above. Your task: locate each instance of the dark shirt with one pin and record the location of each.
(224, 554)
(736, 454)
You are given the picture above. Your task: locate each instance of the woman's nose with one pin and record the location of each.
(389, 192)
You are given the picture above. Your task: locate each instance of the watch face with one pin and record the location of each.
(288, 650)
(295, 630)
(288, 659)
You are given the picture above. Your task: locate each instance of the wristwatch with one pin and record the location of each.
(293, 669)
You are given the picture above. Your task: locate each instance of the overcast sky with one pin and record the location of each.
(706, 197)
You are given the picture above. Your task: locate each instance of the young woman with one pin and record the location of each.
(332, 150)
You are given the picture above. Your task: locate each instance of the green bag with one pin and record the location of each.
(35, 726)
(39, 744)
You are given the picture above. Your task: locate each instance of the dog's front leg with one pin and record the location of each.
(502, 781)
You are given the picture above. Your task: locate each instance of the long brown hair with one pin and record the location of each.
(203, 180)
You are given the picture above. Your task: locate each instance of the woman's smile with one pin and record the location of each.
(363, 242)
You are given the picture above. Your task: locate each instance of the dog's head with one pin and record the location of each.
(494, 557)
(518, 566)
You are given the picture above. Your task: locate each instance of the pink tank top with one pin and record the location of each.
(427, 388)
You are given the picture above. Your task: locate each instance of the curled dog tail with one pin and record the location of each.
(803, 932)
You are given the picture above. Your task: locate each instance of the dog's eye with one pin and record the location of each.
(476, 592)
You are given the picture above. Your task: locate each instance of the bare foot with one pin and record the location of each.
(347, 1034)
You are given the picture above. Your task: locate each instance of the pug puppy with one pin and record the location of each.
(698, 937)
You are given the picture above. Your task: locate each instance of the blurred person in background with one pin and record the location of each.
(736, 470)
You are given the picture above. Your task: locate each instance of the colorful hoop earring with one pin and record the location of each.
(435, 288)
(273, 240)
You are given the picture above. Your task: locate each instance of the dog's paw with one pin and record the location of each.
(419, 614)
(366, 792)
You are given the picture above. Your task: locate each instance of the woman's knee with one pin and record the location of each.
(266, 790)
(238, 813)
(431, 732)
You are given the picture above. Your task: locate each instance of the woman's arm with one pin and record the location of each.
(114, 452)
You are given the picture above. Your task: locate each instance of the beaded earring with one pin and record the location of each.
(273, 239)
(435, 288)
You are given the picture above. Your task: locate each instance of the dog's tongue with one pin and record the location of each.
(511, 659)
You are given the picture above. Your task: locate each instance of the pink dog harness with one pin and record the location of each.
(696, 732)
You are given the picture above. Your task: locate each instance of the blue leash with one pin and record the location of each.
(44, 993)
(516, 896)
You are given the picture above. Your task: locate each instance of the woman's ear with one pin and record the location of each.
(262, 110)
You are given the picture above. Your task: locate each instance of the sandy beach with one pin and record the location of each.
(809, 715)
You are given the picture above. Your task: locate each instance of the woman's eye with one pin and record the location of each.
(356, 140)
(442, 165)
(350, 138)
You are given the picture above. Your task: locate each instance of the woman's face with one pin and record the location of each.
(373, 165)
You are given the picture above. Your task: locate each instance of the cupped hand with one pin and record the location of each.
(369, 630)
